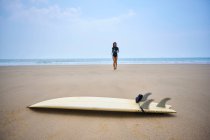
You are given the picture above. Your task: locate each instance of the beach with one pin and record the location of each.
(186, 84)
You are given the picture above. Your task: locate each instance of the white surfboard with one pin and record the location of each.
(104, 104)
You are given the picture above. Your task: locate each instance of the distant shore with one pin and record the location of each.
(186, 84)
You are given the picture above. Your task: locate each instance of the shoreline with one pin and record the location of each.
(104, 61)
(57, 65)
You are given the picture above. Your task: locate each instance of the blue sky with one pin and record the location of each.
(87, 28)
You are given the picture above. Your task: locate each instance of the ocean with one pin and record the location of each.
(89, 61)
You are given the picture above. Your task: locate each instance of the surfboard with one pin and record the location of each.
(106, 104)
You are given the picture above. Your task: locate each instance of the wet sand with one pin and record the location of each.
(187, 85)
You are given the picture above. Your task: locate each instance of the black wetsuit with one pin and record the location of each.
(115, 50)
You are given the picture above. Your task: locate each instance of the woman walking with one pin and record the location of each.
(115, 51)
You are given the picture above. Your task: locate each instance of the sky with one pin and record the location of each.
(47, 29)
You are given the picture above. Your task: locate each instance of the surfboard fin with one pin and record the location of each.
(162, 103)
(145, 96)
(146, 104)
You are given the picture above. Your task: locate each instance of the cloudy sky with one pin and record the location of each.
(87, 28)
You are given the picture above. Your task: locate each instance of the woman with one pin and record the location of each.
(115, 51)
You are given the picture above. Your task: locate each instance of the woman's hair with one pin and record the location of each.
(114, 44)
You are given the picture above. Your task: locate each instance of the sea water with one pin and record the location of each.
(89, 61)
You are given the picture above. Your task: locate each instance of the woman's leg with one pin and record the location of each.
(113, 62)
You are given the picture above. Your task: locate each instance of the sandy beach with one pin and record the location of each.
(187, 85)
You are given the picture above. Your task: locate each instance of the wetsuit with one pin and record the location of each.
(115, 50)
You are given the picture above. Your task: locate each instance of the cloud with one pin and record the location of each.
(35, 14)
(131, 13)
(39, 1)
(56, 16)
(103, 24)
